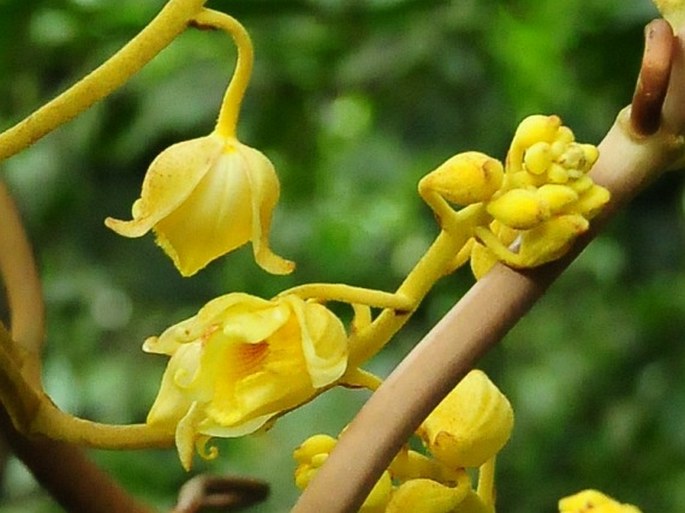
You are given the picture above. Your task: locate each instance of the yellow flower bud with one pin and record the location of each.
(240, 362)
(310, 456)
(466, 178)
(317, 444)
(557, 174)
(425, 496)
(377, 500)
(204, 198)
(313, 453)
(537, 158)
(473, 503)
(592, 501)
(519, 208)
(470, 425)
(591, 201)
(557, 197)
(536, 128)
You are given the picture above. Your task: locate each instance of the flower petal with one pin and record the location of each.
(265, 190)
(171, 178)
(324, 342)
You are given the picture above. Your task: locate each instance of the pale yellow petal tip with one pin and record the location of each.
(272, 263)
(132, 229)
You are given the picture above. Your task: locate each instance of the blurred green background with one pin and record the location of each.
(354, 100)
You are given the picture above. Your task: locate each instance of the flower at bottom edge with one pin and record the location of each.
(592, 501)
(240, 362)
(204, 198)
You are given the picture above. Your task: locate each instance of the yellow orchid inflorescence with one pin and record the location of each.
(243, 361)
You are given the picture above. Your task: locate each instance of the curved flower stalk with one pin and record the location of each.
(592, 501)
(537, 204)
(466, 430)
(171, 21)
(208, 196)
(239, 363)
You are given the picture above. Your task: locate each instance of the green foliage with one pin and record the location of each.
(354, 102)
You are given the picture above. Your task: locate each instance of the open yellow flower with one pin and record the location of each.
(240, 362)
(204, 198)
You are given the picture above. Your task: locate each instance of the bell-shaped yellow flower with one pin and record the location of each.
(204, 198)
(592, 501)
(471, 425)
(240, 362)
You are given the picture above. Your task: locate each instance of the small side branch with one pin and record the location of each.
(652, 83)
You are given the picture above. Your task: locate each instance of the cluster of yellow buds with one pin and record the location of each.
(467, 429)
(534, 206)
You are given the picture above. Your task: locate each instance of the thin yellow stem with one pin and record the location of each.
(52, 422)
(230, 108)
(33, 413)
(112, 74)
(486, 483)
(435, 263)
(353, 295)
(24, 293)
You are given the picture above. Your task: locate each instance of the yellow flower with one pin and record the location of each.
(204, 198)
(471, 425)
(592, 501)
(426, 496)
(240, 362)
(313, 453)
